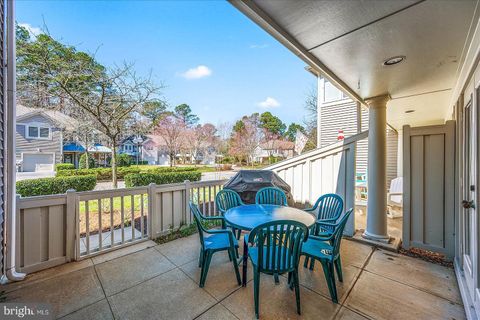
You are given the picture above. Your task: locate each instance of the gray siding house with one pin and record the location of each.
(39, 138)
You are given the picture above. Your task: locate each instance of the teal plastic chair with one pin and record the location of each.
(271, 195)
(274, 249)
(212, 241)
(327, 208)
(227, 199)
(327, 251)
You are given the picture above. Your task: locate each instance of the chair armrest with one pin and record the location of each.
(326, 220)
(213, 218)
(325, 223)
(320, 238)
(395, 193)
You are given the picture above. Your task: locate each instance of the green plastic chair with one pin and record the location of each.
(212, 241)
(327, 251)
(227, 199)
(271, 195)
(327, 208)
(274, 249)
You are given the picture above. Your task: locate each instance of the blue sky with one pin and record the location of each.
(207, 53)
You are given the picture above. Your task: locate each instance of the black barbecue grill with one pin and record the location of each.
(247, 182)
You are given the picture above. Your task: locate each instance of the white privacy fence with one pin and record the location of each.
(326, 170)
(52, 230)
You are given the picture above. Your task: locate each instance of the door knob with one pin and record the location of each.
(468, 204)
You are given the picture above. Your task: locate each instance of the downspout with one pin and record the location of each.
(10, 204)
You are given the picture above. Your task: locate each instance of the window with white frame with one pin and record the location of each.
(38, 131)
(332, 93)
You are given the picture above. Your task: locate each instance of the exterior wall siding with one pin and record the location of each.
(342, 115)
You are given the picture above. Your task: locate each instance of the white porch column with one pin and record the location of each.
(377, 170)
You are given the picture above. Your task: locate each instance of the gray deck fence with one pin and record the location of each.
(55, 229)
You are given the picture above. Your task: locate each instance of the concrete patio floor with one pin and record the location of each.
(150, 281)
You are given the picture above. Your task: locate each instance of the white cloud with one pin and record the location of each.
(259, 46)
(33, 31)
(198, 72)
(268, 103)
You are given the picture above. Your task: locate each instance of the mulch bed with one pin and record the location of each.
(426, 255)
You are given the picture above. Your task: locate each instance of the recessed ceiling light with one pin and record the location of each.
(410, 111)
(394, 60)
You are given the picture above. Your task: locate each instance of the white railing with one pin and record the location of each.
(325, 170)
(52, 230)
(107, 219)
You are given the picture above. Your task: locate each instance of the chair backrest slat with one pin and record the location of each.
(227, 199)
(278, 244)
(198, 221)
(330, 206)
(271, 195)
(338, 233)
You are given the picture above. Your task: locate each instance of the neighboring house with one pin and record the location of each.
(150, 149)
(154, 151)
(340, 117)
(282, 149)
(131, 147)
(39, 138)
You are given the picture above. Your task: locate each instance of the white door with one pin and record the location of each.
(469, 201)
(37, 162)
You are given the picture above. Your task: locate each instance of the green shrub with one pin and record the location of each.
(105, 174)
(45, 186)
(102, 174)
(144, 179)
(123, 160)
(169, 169)
(64, 166)
(82, 164)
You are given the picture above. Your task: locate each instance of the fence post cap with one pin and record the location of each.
(71, 190)
(152, 184)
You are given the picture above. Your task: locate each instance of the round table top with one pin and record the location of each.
(247, 217)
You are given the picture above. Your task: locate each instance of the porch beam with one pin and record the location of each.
(377, 170)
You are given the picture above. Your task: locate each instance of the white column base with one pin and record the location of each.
(375, 237)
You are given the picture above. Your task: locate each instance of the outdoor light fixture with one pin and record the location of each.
(410, 111)
(394, 60)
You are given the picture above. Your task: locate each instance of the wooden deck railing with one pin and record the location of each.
(55, 229)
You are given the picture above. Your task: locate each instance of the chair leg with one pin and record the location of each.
(297, 290)
(235, 266)
(229, 255)
(277, 280)
(338, 267)
(305, 263)
(312, 264)
(290, 283)
(239, 233)
(256, 291)
(330, 278)
(206, 265)
(244, 264)
(200, 259)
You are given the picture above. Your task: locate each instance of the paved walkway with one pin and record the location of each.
(147, 281)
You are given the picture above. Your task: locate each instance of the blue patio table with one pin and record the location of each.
(247, 217)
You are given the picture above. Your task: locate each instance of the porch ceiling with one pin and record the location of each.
(347, 41)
